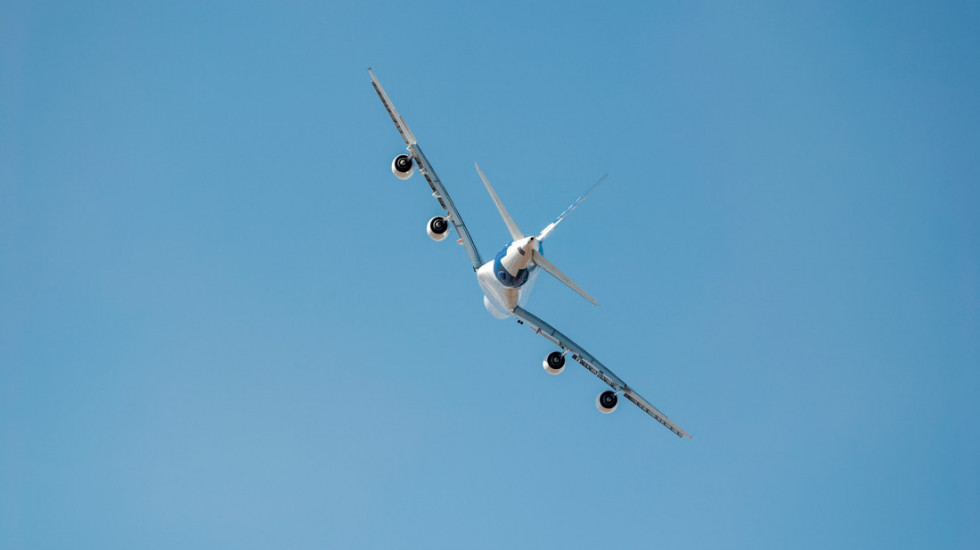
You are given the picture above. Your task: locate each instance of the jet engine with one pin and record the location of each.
(401, 167)
(437, 228)
(554, 363)
(606, 402)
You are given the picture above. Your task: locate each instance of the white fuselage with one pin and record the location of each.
(508, 279)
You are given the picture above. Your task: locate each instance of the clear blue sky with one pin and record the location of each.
(223, 326)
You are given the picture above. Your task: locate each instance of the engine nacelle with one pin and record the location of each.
(402, 166)
(554, 363)
(606, 402)
(437, 228)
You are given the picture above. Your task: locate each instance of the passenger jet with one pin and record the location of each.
(508, 278)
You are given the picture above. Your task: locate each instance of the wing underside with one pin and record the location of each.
(438, 189)
(595, 367)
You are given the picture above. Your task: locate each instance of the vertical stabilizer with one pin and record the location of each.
(551, 226)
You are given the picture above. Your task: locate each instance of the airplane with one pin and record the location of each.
(508, 279)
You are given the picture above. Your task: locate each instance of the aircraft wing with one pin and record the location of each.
(438, 190)
(597, 368)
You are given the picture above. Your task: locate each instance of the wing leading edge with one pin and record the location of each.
(597, 368)
(438, 189)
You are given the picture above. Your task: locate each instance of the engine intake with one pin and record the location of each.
(606, 402)
(554, 363)
(401, 167)
(437, 228)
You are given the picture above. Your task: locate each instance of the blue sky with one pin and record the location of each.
(223, 326)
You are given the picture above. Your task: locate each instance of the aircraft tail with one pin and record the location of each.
(515, 233)
(544, 264)
(536, 257)
(551, 226)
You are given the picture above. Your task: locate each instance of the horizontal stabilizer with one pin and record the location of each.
(540, 260)
(515, 233)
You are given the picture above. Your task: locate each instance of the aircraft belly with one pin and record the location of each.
(525, 290)
(500, 297)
